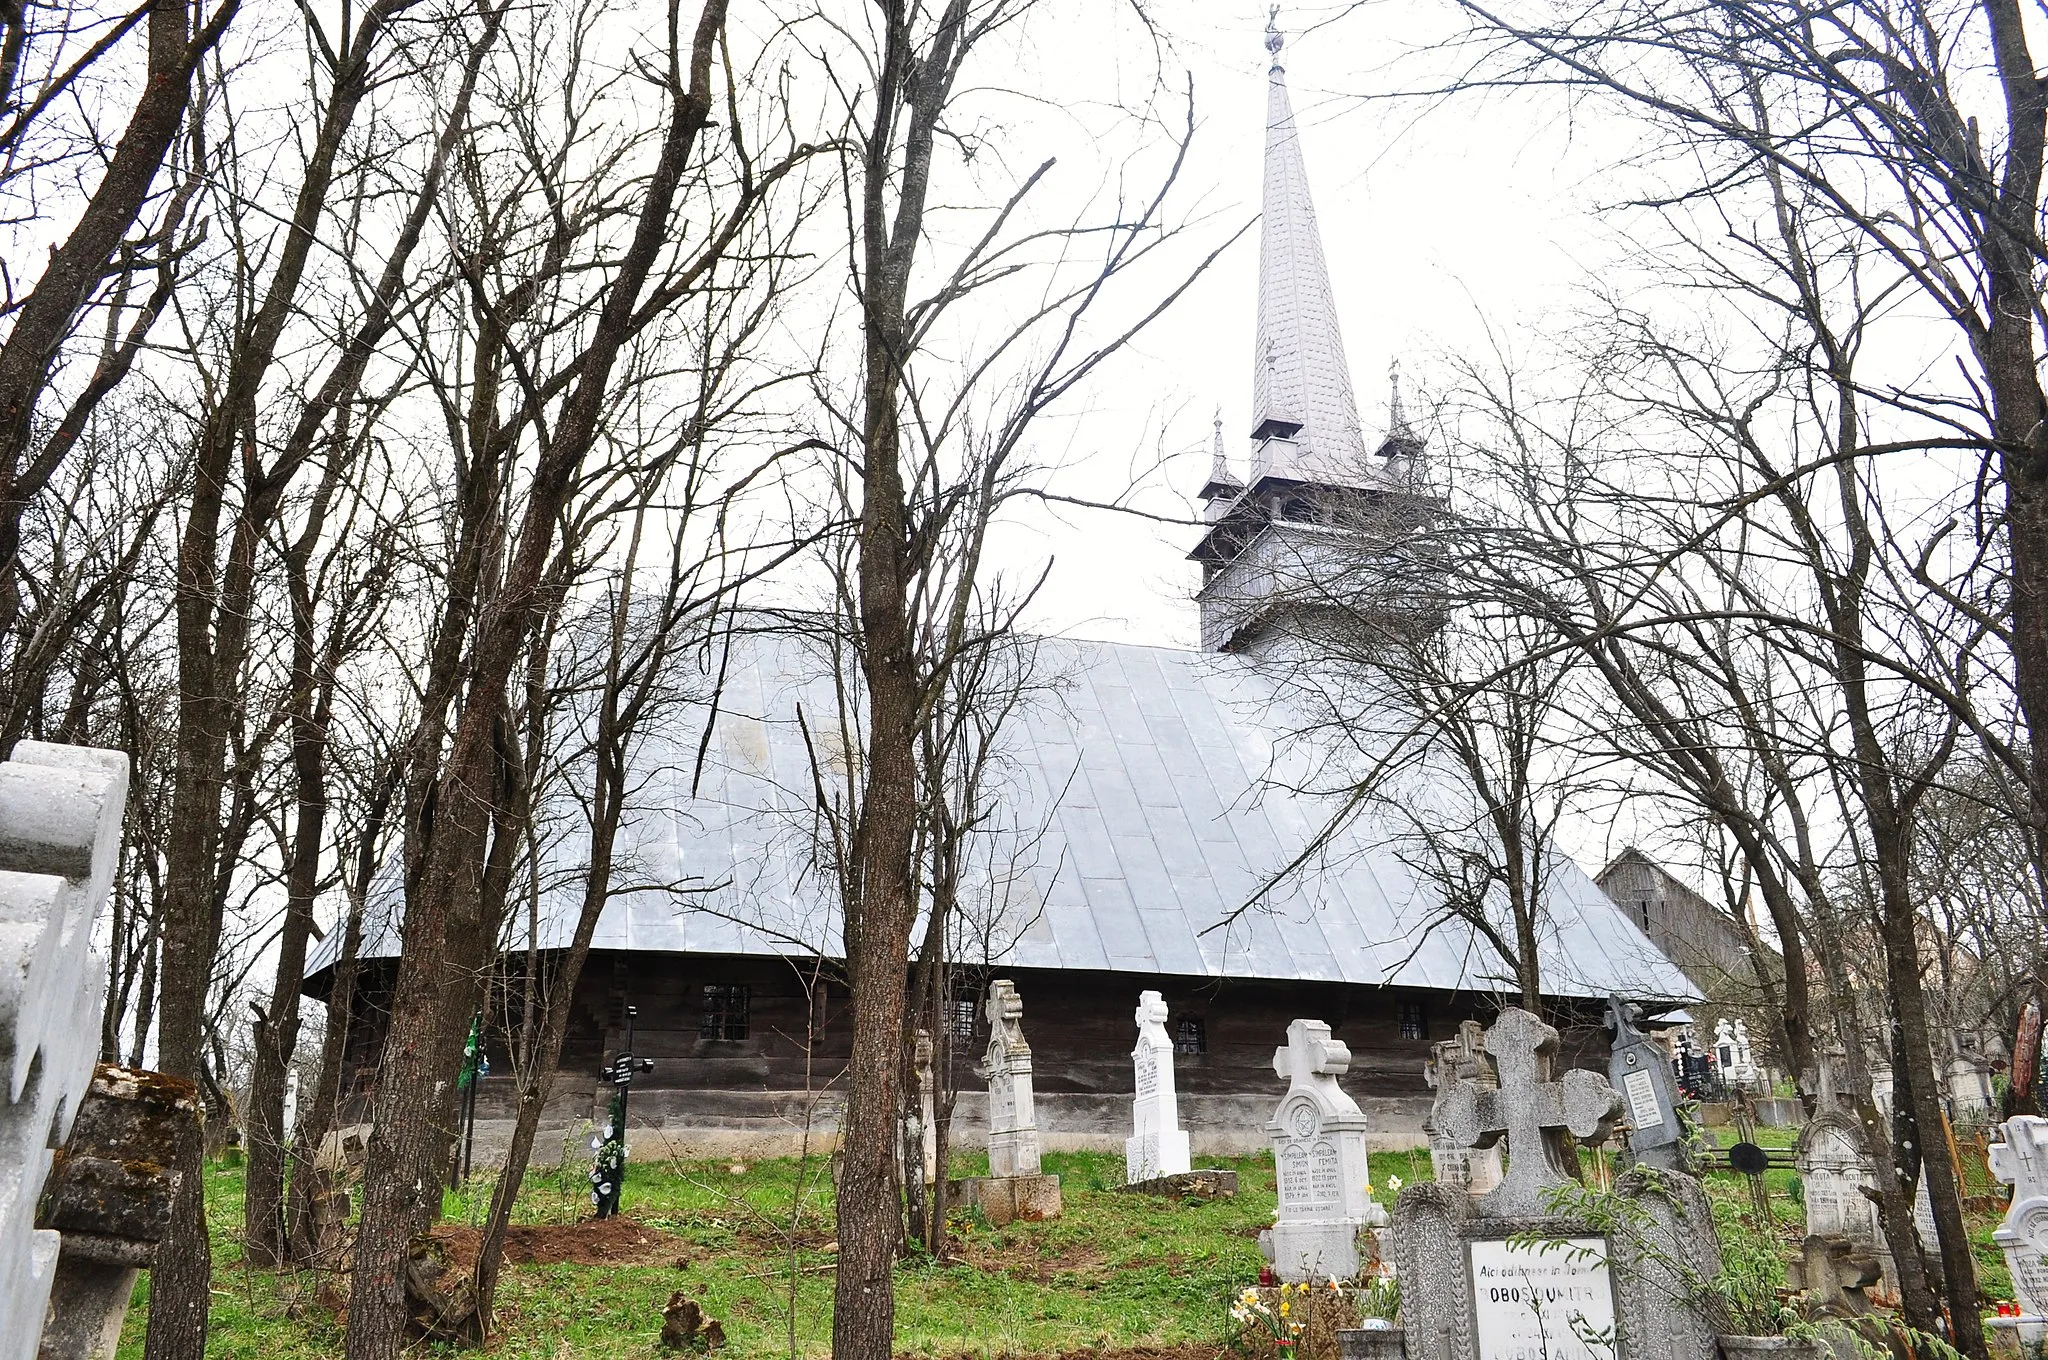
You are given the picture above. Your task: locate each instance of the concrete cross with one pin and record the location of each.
(1532, 1111)
(2022, 1159)
(1310, 1053)
(1151, 1011)
(1464, 1056)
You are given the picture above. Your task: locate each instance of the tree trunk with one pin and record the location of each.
(277, 1029)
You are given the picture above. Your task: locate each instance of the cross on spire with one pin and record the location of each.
(1532, 1111)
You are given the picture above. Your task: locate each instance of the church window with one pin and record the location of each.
(1190, 1035)
(1414, 1024)
(960, 1018)
(725, 1010)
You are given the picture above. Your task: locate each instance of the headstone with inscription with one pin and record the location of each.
(1158, 1145)
(1451, 1061)
(1834, 1170)
(2021, 1159)
(1014, 1187)
(1641, 1071)
(1319, 1162)
(1012, 1116)
(1512, 1274)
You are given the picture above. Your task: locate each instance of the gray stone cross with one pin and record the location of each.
(1532, 1111)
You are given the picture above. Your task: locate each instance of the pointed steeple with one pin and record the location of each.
(1223, 487)
(1402, 446)
(1303, 412)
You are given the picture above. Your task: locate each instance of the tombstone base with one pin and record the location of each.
(1151, 1155)
(2013, 1338)
(1206, 1184)
(88, 1302)
(1304, 1250)
(1372, 1343)
(1005, 1199)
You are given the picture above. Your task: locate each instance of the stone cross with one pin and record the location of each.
(1319, 1161)
(109, 1196)
(1833, 1272)
(1451, 1061)
(2021, 1159)
(1012, 1120)
(927, 1105)
(1532, 1111)
(1158, 1145)
(60, 838)
(1639, 1069)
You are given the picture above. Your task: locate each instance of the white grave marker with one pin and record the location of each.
(60, 836)
(1158, 1145)
(2022, 1160)
(1319, 1161)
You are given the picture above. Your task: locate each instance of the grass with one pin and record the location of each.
(1115, 1271)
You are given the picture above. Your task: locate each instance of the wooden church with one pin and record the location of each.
(1148, 794)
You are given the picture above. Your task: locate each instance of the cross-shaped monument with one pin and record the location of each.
(1158, 1145)
(1451, 1061)
(2022, 1160)
(1319, 1161)
(1531, 1110)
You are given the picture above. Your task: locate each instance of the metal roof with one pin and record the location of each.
(1139, 810)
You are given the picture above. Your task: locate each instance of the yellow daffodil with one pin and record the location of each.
(1285, 1306)
(1368, 1187)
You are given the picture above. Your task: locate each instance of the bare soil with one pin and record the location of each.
(591, 1242)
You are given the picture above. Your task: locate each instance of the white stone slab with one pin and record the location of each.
(1542, 1301)
(1158, 1145)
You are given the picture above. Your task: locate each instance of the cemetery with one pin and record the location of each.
(1583, 1247)
(656, 702)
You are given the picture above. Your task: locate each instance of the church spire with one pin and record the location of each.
(1304, 415)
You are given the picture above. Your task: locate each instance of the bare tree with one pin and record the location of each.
(569, 281)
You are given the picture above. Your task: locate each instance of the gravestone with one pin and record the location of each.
(1014, 1187)
(927, 1105)
(1451, 1061)
(1502, 1277)
(1319, 1162)
(1639, 1069)
(1531, 1111)
(1158, 1145)
(1833, 1273)
(109, 1196)
(2021, 1160)
(1834, 1170)
(60, 838)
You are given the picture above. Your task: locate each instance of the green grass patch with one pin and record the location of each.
(753, 1243)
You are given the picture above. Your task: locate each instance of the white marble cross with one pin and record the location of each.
(1531, 1111)
(2022, 1160)
(1310, 1057)
(1158, 1145)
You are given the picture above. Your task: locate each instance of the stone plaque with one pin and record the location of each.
(1543, 1301)
(1643, 1110)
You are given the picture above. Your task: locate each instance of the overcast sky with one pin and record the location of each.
(1439, 221)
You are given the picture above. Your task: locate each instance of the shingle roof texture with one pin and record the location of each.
(1299, 373)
